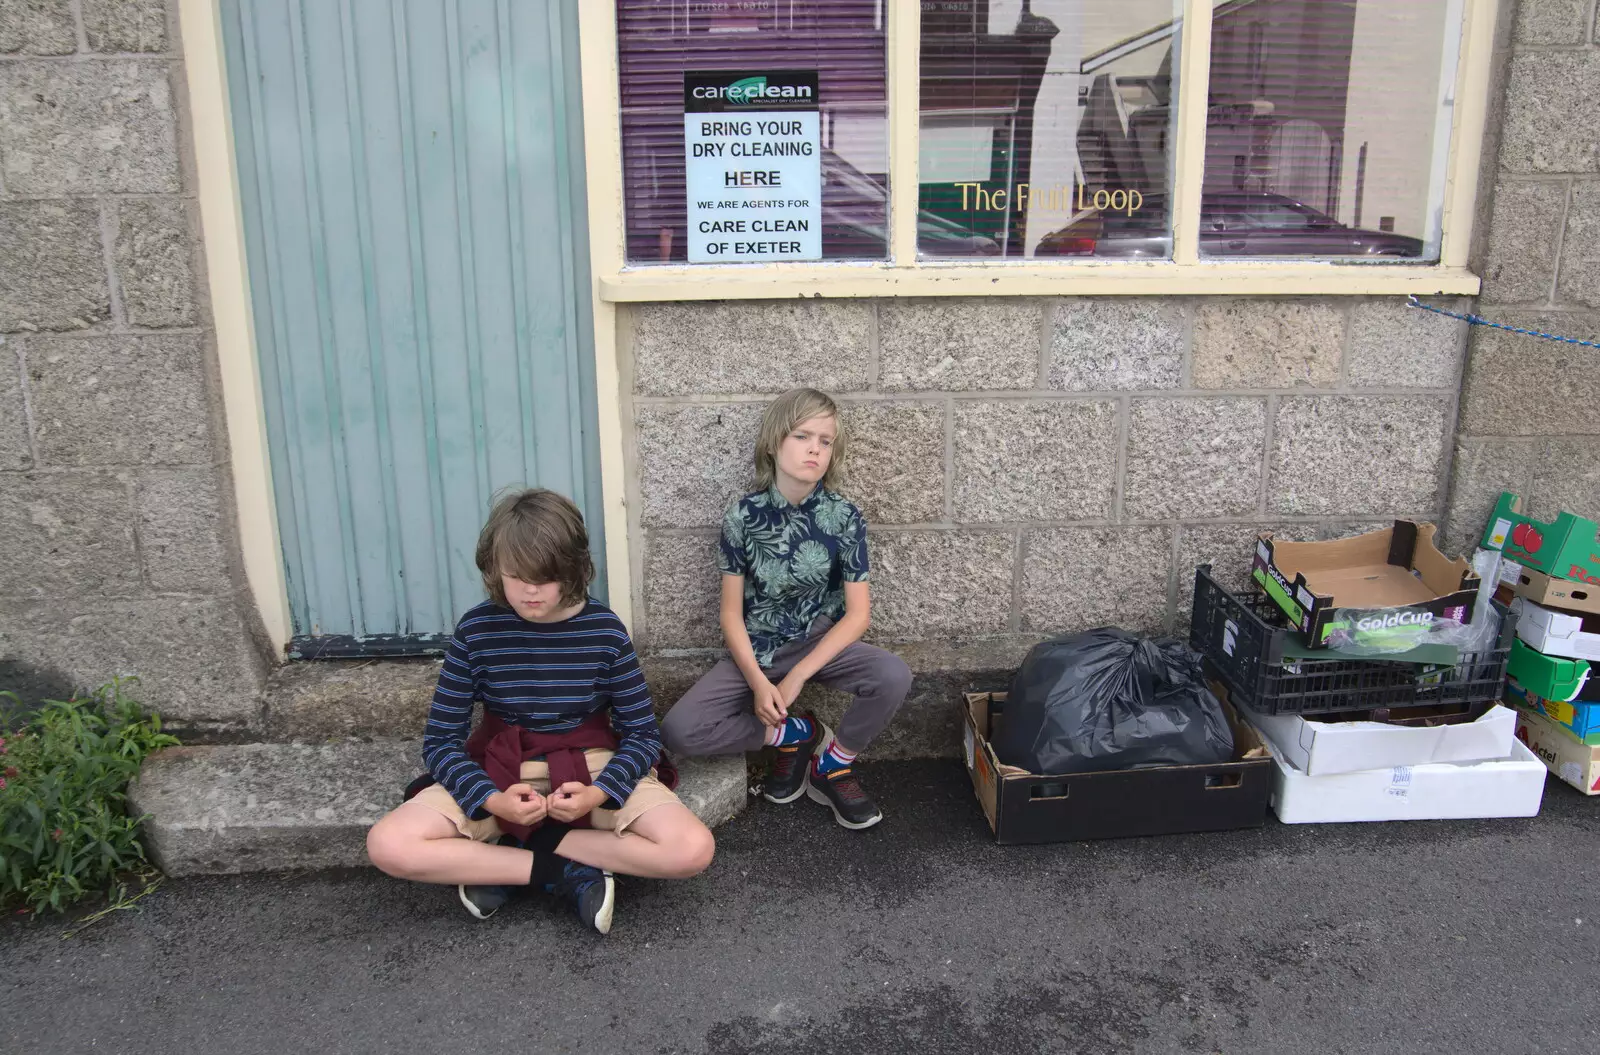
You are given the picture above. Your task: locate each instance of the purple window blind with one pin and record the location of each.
(843, 40)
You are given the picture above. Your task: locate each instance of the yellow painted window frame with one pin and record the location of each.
(903, 275)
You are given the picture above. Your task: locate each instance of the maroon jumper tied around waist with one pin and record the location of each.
(501, 748)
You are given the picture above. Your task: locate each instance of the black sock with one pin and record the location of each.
(547, 864)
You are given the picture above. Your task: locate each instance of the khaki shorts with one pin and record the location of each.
(647, 795)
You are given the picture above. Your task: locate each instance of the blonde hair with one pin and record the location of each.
(782, 416)
(536, 536)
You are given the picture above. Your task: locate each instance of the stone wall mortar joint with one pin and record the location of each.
(1018, 563)
(80, 195)
(80, 25)
(141, 565)
(20, 357)
(979, 527)
(116, 330)
(1050, 396)
(110, 217)
(119, 467)
(1560, 246)
(80, 58)
(1047, 326)
(1186, 355)
(1120, 470)
(1268, 439)
(1347, 313)
(874, 347)
(1173, 579)
(949, 460)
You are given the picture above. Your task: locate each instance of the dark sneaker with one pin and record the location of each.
(792, 763)
(591, 893)
(483, 901)
(841, 792)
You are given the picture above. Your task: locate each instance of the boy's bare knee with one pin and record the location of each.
(693, 852)
(386, 848)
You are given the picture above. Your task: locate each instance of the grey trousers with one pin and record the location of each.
(717, 716)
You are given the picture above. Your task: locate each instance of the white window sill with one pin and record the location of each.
(1028, 279)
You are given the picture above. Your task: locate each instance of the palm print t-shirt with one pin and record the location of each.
(795, 561)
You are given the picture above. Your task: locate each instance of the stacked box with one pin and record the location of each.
(1571, 760)
(1550, 672)
(1580, 719)
(1416, 736)
(1565, 548)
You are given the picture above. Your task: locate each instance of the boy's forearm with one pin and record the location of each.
(846, 632)
(634, 758)
(448, 763)
(740, 650)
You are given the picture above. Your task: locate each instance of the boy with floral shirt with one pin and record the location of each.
(795, 603)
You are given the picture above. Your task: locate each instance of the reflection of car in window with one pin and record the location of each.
(853, 209)
(1234, 223)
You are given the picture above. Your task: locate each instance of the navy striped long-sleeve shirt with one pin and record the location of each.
(547, 677)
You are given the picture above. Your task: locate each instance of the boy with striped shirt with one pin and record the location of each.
(556, 789)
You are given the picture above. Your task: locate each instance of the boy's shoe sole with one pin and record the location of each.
(602, 918)
(480, 911)
(816, 795)
(823, 732)
(805, 785)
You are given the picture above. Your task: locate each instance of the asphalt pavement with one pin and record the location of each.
(918, 936)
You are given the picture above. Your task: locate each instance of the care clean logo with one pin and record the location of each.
(749, 90)
(754, 90)
(746, 90)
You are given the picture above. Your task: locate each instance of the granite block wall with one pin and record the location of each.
(115, 507)
(1030, 466)
(1530, 419)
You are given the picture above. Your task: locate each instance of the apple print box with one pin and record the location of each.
(1565, 548)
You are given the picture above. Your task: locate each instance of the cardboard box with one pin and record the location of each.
(1580, 719)
(1507, 787)
(1557, 633)
(1553, 677)
(1319, 748)
(1567, 547)
(1571, 762)
(1569, 594)
(1025, 807)
(1312, 581)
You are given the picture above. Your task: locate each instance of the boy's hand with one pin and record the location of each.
(770, 706)
(519, 804)
(573, 800)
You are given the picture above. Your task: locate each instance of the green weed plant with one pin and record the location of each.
(65, 830)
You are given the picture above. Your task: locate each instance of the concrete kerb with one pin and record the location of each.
(284, 807)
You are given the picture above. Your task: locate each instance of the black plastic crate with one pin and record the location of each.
(1242, 640)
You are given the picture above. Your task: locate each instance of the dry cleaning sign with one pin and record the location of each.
(753, 152)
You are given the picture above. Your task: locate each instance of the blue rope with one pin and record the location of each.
(1478, 320)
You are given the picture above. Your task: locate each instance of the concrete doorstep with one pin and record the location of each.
(330, 765)
(281, 807)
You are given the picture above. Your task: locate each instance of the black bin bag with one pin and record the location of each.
(1108, 699)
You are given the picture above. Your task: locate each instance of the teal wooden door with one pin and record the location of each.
(411, 173)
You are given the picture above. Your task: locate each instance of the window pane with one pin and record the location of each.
(1047, 128)
(839, 141)
(1328, 128)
